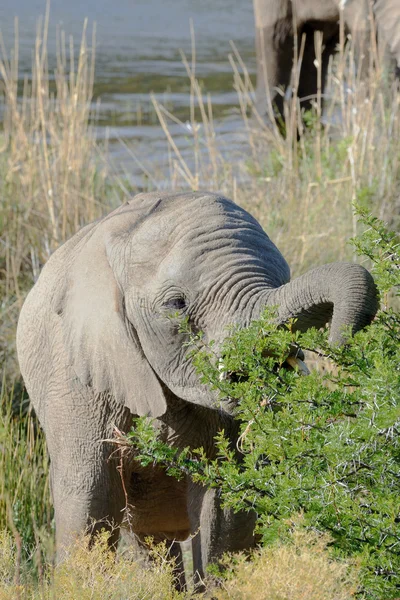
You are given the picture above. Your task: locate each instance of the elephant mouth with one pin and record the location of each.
(293, 362)
(202, 395)
(233, 377)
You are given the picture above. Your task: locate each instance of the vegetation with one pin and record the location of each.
(302, 570)
(25, 508)
(91, 575)
(331, 451)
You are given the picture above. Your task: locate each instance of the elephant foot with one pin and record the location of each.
(174, 554)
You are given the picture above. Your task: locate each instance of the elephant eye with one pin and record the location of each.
(177, 303)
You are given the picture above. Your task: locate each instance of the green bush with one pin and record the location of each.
(325, 445)
(25, 509)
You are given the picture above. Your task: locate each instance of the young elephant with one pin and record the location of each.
(97, 346)
(279, 21)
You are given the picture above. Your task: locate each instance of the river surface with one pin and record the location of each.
(138, 46)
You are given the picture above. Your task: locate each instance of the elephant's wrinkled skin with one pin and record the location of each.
(279, 21)
(96, 345)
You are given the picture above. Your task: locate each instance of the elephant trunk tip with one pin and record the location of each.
(354, 311)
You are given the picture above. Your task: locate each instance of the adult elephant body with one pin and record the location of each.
(278, 22)
(97, 345)
(387, 16)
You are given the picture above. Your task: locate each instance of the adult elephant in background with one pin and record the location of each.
(387, 15)
(97, 346)
(278, 22)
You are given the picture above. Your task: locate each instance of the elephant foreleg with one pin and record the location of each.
(357, 24)
(216, 530)
(85, 501)
(174, 553)
(274, 67)
(86, 486)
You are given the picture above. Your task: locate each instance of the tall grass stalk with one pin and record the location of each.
(301, 570)
(51, 181)
(25, 508)
(93, 574)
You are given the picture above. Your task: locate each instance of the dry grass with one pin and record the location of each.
(302, 570)
(48, 139)
(51, 179)
(90, 575)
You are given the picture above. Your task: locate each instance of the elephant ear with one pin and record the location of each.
(102, 345)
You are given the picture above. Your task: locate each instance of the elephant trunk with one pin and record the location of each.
(343, 293)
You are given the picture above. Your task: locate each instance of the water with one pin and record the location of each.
(137, 52)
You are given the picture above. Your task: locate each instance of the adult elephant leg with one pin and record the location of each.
(357, 24)
(308, 86)
(216, 530)
(274, 52)
(387, 15)
(174, 553)
(85, 509)
(274, 68)
(86, 486)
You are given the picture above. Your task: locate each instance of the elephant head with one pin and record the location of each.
(196, 256)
